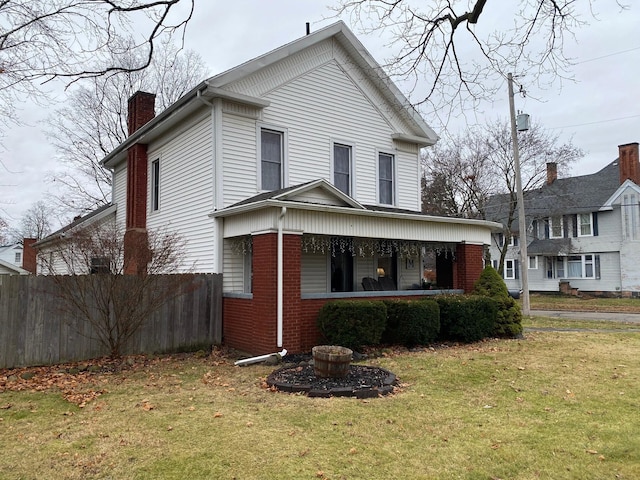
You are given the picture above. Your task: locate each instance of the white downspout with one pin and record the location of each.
(280, 293)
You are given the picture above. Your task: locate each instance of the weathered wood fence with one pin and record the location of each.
(34, 330)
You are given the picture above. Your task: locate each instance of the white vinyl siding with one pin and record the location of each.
(187, 193)
(120, 193)
(240, 156)
(325, 104)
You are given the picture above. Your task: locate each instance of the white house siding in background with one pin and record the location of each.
(240, 157)
(120, 192)
(186, 190)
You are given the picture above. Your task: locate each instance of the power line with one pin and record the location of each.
(597, 122)
(607, 55)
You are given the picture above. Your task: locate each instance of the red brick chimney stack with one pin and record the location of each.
(141, 109)
(29, 262)
(629, 163)
(552, 172)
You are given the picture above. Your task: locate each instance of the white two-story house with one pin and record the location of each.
(582, 232)
(297, 176)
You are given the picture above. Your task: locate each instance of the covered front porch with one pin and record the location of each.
(284, 258)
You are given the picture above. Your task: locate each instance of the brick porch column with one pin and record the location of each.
(468, 265)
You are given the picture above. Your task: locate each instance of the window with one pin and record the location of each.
(385, 179)
(585, 225)
(100, 265)
(556, 229)
(533, 263)
(342, 167)
(155, 185)
(510, 269)
(247, 280)
(271, 159)
(574, 266)
(630, 217)
(18, 257)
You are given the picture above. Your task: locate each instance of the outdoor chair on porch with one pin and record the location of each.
(370, 284)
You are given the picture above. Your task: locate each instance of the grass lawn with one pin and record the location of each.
(584, 303)
(555, 405)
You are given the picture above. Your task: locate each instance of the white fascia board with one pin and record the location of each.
(240, 209)
(420, 141)
(608, 205)
(54, 237)
(14, 268)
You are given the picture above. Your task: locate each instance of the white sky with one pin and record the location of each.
(598, 112)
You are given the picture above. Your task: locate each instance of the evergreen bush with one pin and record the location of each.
(412, 323)
(508, 322)
(466, 318)
(352, 323)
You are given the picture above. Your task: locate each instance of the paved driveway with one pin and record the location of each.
(613, 317)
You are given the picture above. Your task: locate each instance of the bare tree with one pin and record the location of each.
(94, 121)
(478, 165)
(36, 222)
(4, 231)
(88, 270)
(41, 40)
(450, 45)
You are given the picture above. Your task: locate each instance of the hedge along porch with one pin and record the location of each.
(282, 258)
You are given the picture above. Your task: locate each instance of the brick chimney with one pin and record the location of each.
(136, 247)
(629, 163)
(552, 172)
(29, 262)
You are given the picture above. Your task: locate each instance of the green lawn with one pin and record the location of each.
(584, 303)
(555, 405)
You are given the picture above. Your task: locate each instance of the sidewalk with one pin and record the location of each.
(606, 316)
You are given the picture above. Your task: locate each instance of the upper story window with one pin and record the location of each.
(155, 185)
(630, 209)
(342, 160)
(556, 228)
(585, 225)
(18, 257)
(386, 179)
(271, 159)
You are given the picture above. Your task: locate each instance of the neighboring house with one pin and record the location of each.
(297, 176)
(12, 258)
(582, 232)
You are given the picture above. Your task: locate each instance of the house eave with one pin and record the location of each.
(197, 98)
(271, 203)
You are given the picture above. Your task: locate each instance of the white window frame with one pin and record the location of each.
(535, 262)
(585, 261)
(154, 190)
(284, 166)
(508, 276)
(551, 224)
(351, 148)
(579, 226)
(394, 174)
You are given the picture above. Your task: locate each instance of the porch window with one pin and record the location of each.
(385, 178)
(342, 167)
(271, 159)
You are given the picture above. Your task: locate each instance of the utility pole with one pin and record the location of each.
(522, 223)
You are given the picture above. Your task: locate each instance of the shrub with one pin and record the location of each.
(466, 318)
(508, 322)
(412, 323)
(352, 323)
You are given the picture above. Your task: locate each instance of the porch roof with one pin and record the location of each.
(264, 215)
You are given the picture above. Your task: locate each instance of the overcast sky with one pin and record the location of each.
(598, 112)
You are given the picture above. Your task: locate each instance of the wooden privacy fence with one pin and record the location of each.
(34, 330)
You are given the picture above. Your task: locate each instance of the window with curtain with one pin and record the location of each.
(585, 225)
(574, 266)
(271, 159)
(342, 168)
(385, 178)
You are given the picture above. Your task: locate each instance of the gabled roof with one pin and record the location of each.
(214, 87)
(88, 219)
(572, 195)
(309, 192)
(626, 185)
(11, 268)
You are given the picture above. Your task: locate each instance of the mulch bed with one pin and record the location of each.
(362, 381)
